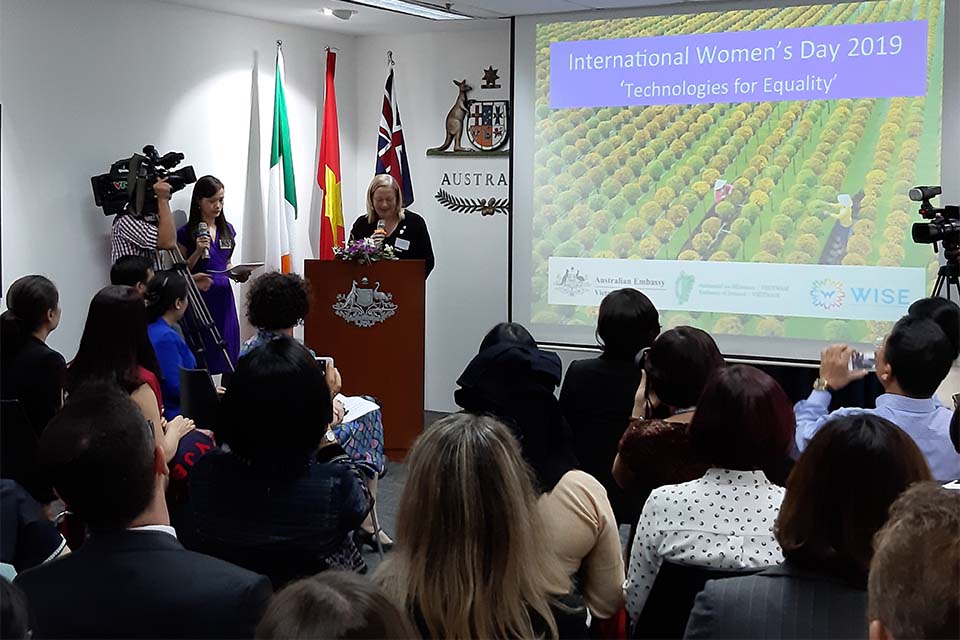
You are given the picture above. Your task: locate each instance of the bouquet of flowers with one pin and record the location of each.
(364, 251)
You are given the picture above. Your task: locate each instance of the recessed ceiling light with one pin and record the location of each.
(343, 14)
(421, 10)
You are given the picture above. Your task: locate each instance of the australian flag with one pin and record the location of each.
(391, 150)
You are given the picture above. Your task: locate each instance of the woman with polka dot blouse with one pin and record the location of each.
(837, 497)
(742, 428)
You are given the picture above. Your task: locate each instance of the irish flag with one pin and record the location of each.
(328, 169)
(282, 199)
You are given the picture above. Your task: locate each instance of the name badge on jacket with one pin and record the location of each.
(402, 244)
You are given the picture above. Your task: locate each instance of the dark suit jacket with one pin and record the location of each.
(286, 522)
(782, 602)
(597, 399)
(35, 376)
(142, 584)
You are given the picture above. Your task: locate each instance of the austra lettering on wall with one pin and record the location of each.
(473, 179)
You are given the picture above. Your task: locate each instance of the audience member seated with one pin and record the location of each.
(115, 348)
(654, 452)
(30, 371)
(837, 498)
(167, 302)
(278, 302)
(14, 612)
(945, 313)
(743, 426)
(912, 363)
(132, 578)
(513, 380)
(132, 271)
(597, 394)
(28, 536)
(332, 605)
(274, 504)
(472, 558)
(915, 573)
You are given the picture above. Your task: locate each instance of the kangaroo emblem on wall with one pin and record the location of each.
(455, 119)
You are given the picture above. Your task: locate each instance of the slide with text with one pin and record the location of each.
(748, 170)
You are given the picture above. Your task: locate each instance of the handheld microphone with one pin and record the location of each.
(203, 230)
(382, 227)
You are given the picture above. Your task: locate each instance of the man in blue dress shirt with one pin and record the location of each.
(914, 360)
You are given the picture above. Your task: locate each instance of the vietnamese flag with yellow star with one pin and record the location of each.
(328, 169)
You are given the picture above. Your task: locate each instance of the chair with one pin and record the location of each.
(18, 452)
(198, 398)
(668, 607)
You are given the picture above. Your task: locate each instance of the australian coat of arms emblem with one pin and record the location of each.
(572, 281)
(487, 128)
(364, 305)
(486, 123)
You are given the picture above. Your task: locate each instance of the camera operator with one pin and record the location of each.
(133, 235)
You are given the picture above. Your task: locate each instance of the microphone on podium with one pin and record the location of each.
(204, 230)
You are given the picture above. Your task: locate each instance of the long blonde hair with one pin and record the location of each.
(471, 559)
(382, 180)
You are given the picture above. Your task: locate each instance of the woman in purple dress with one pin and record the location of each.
(211, 253)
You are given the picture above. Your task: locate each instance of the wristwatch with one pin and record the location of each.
(820, 384)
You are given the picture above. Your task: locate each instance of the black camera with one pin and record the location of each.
(128, 186)
(944, 225)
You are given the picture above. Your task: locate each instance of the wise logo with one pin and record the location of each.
(831, 294)
(827, 294)
(881, 296)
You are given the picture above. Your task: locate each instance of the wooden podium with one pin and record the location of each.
(370, 319)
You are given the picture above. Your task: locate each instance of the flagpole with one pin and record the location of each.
(391, 150)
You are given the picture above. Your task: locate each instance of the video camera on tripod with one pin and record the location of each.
(943, 227)
(128, 186)
(128, 189)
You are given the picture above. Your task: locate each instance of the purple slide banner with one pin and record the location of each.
(811, 63)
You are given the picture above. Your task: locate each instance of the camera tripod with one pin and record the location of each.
(947, 276)
(197, 318)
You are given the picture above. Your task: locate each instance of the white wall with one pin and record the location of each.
(85, 83)
(467, 292)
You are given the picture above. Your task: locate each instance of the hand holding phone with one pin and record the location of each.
(866, 361)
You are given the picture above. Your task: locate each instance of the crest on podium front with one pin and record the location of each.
(364, 306)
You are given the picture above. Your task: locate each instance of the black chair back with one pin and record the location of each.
(671, 599)
(198, 398)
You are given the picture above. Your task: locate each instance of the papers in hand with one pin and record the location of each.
(240, 269)
(356, 407)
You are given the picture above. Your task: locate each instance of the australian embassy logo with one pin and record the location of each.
(572, 281)
(827, 294)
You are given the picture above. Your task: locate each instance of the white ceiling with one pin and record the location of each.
(307, 13)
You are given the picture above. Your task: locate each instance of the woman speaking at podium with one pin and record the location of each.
(402, 229)
(207, 242)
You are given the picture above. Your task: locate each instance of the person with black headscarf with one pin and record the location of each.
(512, 379)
